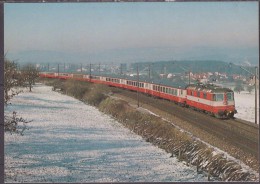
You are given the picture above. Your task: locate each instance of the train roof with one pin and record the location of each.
(208, 88)
(164, 82)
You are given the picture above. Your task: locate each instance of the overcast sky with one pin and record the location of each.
(130, 32)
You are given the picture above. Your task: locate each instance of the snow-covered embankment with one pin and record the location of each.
(69, 141)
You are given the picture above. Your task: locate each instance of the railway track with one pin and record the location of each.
(241, 134)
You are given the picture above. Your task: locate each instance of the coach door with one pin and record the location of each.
(225, 102)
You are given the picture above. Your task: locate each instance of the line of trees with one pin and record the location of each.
(14, 81)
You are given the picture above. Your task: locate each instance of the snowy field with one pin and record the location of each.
(245, 105)
(69, 141)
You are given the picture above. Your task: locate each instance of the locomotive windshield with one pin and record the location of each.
(230, 96)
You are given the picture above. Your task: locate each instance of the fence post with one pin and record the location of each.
(208, 174)
(198, 163)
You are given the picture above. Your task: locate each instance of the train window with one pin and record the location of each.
(205, 95)
(219, 97)
(230, 96)
(170, 91)
(164, 89)
(191, 93)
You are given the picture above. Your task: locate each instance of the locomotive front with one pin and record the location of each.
(223, 102)
(211, 99)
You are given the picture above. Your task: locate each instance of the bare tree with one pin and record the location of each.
(13, 80)
(30, 73)
(13, 124)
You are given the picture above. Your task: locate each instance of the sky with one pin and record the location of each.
(131, 32)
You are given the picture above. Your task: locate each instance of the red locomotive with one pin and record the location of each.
(208, 98)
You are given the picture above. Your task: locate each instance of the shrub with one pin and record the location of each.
(76, 88)
(96, 94)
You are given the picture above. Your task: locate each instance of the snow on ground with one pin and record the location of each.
(245, 105)
(69, 141)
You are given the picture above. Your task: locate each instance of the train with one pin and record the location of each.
(208, 98)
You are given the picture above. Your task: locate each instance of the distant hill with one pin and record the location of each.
(132, 55)
(194, 66)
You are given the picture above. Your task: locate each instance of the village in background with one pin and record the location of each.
(234, 76)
